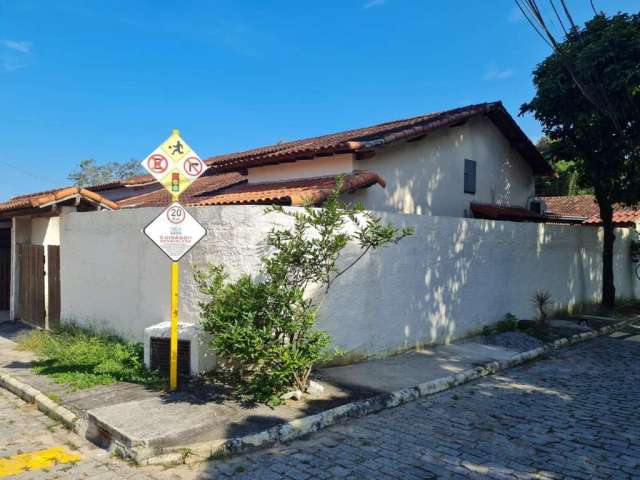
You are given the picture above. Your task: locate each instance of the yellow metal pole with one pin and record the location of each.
(175, 283)
(175, 296)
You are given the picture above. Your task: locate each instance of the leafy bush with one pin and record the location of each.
(263, 329)
(509, 323)
(83, 359)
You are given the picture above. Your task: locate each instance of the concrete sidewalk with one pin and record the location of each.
(413, 368)
(135, 417)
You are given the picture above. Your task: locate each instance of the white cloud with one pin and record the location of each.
(374, 3)
(515, 15)
(9, 66)
(498, 74)
(13, 55)
(18, 45)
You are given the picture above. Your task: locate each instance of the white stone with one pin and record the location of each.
(294, 394)
(314, 388)
(203, 358)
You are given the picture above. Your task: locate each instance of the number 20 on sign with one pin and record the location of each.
(175, 165)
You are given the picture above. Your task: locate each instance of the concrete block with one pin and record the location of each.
(203, 358)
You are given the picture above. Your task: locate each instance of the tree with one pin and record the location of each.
(88, 173)
(264, 328)
(566, 179)
(588, 101)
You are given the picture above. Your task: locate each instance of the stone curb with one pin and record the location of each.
(44, 403)
(306, 425)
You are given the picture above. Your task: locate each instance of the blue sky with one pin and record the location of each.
(109, 80)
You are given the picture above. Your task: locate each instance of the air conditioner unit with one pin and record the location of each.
(194, 351)
(537, 205)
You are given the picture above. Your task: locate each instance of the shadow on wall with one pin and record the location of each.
(451, 278)
(457, 275)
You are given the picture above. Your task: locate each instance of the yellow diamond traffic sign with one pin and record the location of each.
(174, 164)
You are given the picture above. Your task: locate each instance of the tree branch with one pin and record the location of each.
(351, 265)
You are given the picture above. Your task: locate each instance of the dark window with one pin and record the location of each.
(469, 176)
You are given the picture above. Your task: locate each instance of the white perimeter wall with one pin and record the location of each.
(453, 276)
(427, 177)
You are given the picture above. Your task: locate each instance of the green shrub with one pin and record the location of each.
(82, 358)
(509, 323)
(264, 329)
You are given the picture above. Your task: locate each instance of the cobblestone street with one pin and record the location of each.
(574, 415)
(23, 429)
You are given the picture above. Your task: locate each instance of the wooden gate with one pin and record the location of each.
(31, 264)
(5, 277)
(53, 281)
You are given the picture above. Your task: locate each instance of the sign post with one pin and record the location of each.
(175, 165)
(175, 297)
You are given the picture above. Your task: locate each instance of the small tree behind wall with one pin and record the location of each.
(264, 328)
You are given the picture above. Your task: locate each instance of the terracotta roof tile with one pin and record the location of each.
(379, 135)
(292, 192)
(572, 206)
(626, 216)
(127, 182)
(585, 206)
(40, 199)
(204, 186)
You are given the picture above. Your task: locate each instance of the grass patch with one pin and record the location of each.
(83, 359)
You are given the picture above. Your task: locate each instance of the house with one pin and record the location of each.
(472, 161)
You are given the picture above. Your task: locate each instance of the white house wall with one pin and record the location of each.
(426, 177)
(45, 231)
(316, 167)
(452, 277)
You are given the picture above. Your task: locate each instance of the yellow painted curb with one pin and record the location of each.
(38, 460)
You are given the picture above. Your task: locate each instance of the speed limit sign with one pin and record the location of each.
(175, 231)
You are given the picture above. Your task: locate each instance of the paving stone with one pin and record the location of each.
(571, 415)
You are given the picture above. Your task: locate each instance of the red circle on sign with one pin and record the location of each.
(157, 163)
(176, 215)
(192, 166)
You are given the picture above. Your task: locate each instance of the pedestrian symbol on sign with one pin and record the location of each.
(178, 148)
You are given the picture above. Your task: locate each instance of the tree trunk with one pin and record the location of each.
(608, 287)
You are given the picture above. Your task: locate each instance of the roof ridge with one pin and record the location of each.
(275, 147)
